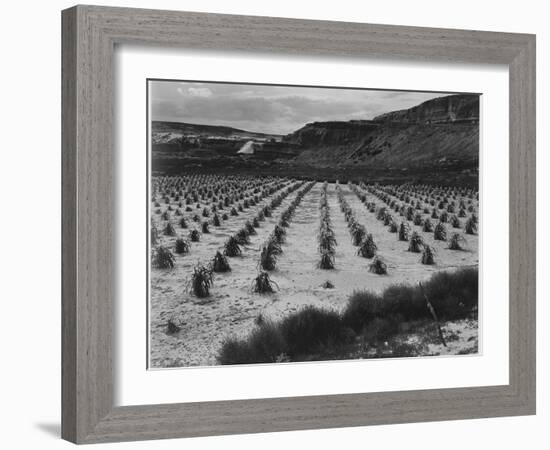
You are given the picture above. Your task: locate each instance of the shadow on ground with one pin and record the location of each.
(53, 429)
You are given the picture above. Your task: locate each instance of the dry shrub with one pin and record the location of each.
(453, 294)
(362, 307)
(313, 329)
(294, 338)
(265, 344)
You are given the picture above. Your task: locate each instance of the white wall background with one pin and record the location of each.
(31, 236)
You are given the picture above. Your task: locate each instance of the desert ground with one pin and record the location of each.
(232, 308)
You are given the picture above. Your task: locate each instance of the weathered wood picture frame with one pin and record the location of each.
(90, 34)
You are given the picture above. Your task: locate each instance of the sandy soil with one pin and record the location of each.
(232, 307)
(461, 338)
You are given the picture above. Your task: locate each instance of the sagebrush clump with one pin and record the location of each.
(314, 333)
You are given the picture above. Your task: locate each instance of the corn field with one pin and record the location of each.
(223, 248)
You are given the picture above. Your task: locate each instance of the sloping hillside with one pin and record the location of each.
(395, 146)
(440, 132)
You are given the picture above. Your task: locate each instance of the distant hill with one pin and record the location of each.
(166, 132)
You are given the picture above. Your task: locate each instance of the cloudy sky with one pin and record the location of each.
(271, 109)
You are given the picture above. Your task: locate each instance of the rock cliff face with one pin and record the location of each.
(440, 132)
(331, 133)
(452, 108)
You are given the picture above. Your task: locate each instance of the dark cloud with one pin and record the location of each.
(271, 109)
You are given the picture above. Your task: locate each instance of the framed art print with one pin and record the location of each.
(253, 217)
(270, 245)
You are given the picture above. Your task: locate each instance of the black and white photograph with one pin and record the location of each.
(295, 223)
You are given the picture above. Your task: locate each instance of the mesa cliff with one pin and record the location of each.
(440, 132)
